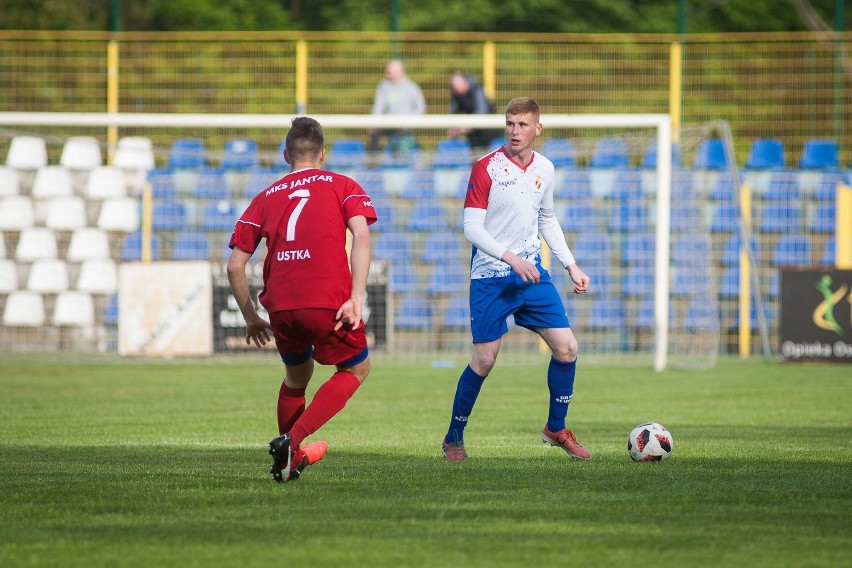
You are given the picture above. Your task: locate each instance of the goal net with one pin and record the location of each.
(638, 220)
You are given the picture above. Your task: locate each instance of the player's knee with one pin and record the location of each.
(566, 351)
(361, 370)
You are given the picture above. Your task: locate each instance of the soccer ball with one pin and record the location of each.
(650, 442)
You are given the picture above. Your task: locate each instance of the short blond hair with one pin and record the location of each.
(523, 105)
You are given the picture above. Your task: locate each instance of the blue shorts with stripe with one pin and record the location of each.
(534, 306)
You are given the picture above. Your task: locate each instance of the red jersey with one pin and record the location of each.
(303, 218)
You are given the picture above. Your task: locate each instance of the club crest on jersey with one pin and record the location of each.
(538, 182)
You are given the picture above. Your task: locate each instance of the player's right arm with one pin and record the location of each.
(359, 259)
(257, 328)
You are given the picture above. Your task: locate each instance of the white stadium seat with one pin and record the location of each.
(119, 214)
(10, 182)
(16, 213)
(134, 153)
(36, 243)
(81, 153)
(66, 213)
(98, 276)
(74, 309)
(2, 246)
(88, 243)
(49, 275)
(27, 153)
(24, 308)
(105, 182)
(52, 181)
(8, 276)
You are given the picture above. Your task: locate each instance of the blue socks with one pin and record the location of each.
(466, 392)
(560, 382)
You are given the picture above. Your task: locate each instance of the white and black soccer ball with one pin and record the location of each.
(650, 442)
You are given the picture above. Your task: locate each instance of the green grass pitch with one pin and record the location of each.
(110, 462)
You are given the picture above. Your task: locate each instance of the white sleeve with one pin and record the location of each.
(551, 230)
(474, 231)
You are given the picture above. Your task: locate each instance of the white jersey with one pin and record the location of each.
(518, 203)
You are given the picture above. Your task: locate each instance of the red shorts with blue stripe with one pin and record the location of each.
(306, 332)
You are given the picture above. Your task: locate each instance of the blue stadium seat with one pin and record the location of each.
(396, 160)
(729, 287)
(240, 154)
(765, 154)
(111, 310)
(447, 279)
(259, 180)
(792, 250)
(649, 160)
(783, 186)
(347, 153)
(457, 314)
(827, 188)
(496, 143)
(403, 277)
(731, 252)
(373, 183)
(823, 219)
(711, 155)
(577, 216)
(685, 216)
(191, 245)
(645, 317)
(690, 282)
(639, 249)
(639, 281)
(393, 246)
(187, 153)
(692, 250)
(592, 248)
(819, 155)
(210, 184)
(606, 313)
(220, 216)
(441, 247)
(774, 285)
(427, 214)
(414, 312)
(603, 282)
(162, 184)
(627, 186)
(280, 164)
(683, 186)
(723, 189)
(131, 248)
(629, 216)
(560, 151)
(384, 216)
(452, 153)
(169, 216)
(609, 153)
(829, 255)
(725, 218)
(701, 315)
(420, 183)
(780, 217)
(575, 185)
(753, 319)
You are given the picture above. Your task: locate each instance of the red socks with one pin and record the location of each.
(329, 399)
(291, 404)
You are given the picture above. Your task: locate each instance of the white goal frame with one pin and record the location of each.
(660, 122)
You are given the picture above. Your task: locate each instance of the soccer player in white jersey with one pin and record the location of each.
(509, 203)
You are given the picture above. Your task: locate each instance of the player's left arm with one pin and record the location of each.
(257, 328)
(359, 260)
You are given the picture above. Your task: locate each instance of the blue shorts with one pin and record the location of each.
(534, 306)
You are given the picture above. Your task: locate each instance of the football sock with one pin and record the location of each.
(466, 392)
(560, 382)
(329, 399)
(291, 404)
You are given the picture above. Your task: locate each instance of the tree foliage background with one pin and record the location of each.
(530, 16)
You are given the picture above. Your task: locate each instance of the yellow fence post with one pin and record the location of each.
(112, 96)
(745, 275)
(301, 76)
(675, 88)
(843, 228)
(489, 70)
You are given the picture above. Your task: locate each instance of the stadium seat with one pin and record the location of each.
(131, 249)
(683, 185)
(169, 216)
(441, 247)
(578, 216)
(711, 155)
(427, 214)
(639, 249)
(373, 183)
(629, 216)
(792, 250)
(730, 284)
(420, 184)
(210, 184)
(606, 313)
(592, 248)
(414, 312)
(609, 153)
(240, 154)
(27, 153)
(105, 182)
(819, 155)
(36, 243)
(731, 252)
(384, 215)
(403, 278)
(110, 314)
(575, 186)
(10, 181)
(447, 279)
(692, 281)
(725, 218)
(604, 282)
(826, 190)
(645, 316)
(783, 186)
(772, 288)
(98, 276)
(88, 243)
(162, 182)
(191, 245)
(396, 160)
(627, 186)
(780, 217)
(52, 181)
(753, 318)
(452, 153)
(347, 154)
(685, 216)
(221, 215)
(692, 250)
(393, 246)
(560, 151)
(119, 214)
(723, 189)
(16, 213)
(259, 180)
(457, 314)
(823, 219)
(701, 315)
(638, 281)
(8, 276)
(24, 308)
(74, 308)
(134, 153)
(48, 275)
(829, 256)
(81, 153)
(65, 213)
(649, 160)
(187, 153)
(765, 154)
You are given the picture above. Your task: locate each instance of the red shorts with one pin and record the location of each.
(296, 331)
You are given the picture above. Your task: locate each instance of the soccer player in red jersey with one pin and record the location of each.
(313, 293)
